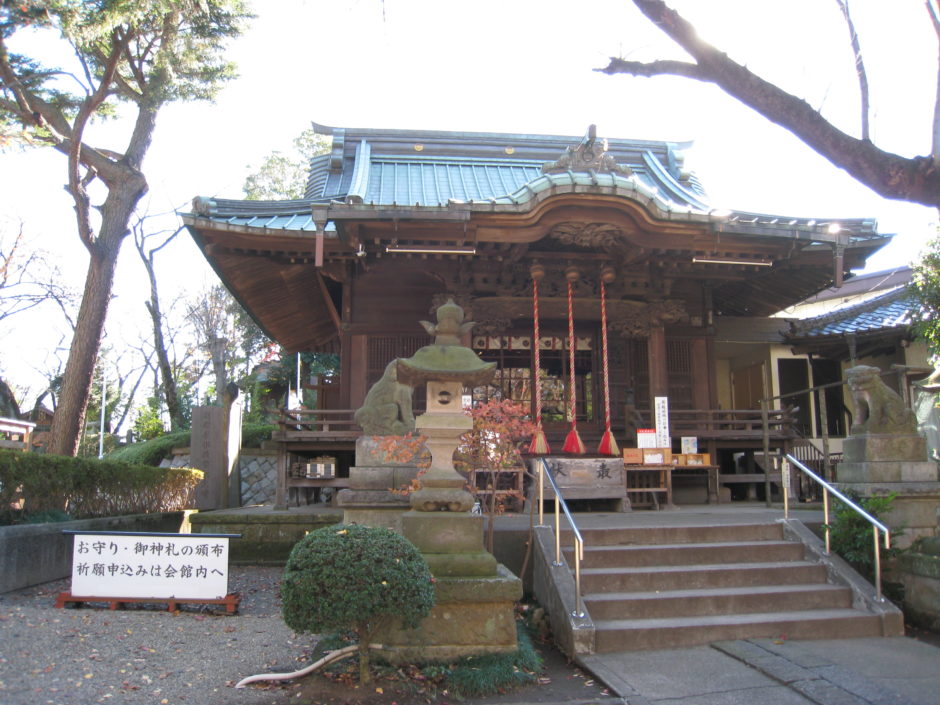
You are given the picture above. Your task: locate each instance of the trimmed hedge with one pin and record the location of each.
(151, 452)
(86, 487)
(157, 449)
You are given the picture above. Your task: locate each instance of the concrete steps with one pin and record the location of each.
(716, 601)
(678, 586)
(680, 632)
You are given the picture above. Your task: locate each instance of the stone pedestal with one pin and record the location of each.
(451, 543)
(920, 571)
(214, 448)
(878, 464)
(472, 616)
(369, 499)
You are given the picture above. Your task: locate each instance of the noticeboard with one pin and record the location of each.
(150, 565)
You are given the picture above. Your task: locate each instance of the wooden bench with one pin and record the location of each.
(296, 484)
(646, 482)
(750, 478)
(710, 473)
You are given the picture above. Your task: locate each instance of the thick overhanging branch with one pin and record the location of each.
(77, 184)
(915, 179)
(935, 142)
(654, 68)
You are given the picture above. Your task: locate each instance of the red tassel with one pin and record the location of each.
(539, 444)
(608, 444)
(573, 443)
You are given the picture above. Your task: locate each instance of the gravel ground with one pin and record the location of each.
(196, 655)
(145, 654)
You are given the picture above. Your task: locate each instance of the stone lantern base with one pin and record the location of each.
(476, 596)
(472, 616)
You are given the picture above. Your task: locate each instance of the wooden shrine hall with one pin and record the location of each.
(394, 222)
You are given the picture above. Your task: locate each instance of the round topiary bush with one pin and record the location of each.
(351, 577)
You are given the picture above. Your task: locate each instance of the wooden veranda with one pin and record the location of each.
(305, 436)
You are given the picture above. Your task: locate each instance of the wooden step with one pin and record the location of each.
(637, 634)
(690, 553)
(716, 601)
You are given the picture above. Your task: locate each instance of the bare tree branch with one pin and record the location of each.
(915, 179)
(859, 68)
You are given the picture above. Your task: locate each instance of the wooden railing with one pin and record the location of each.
(317, 424)
(16, 434)
(727, 423)
(706, 424)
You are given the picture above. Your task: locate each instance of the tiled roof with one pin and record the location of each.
(389, 169)
(891, 310)
(409, 168)
(293, 216)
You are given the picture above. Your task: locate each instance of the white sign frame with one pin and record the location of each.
(159, 566)
(661, 405)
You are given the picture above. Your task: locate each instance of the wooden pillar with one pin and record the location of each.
(659, 377)
(357, 370)
(702, 372)
(346, 352)
(280, 492)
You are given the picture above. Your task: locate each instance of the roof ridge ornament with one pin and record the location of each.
(590, 154)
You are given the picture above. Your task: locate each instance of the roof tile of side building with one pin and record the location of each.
(890, 310)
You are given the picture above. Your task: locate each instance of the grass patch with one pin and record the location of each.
(478, 676)
(471, 677)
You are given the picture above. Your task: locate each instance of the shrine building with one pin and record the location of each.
(394, 222)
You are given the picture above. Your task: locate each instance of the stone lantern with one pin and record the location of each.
(475, 594)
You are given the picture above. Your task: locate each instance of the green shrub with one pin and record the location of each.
(152, 452)
(88, 487)
(254, 434)
(851, 536)
(350, 577)
(158, 449)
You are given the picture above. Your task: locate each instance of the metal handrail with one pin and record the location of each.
(827, 488)
(561, 505)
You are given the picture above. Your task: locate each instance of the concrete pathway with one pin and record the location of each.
(875, 671)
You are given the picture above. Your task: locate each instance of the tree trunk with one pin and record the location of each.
(217, 353)
(167, 380)
(69, 417)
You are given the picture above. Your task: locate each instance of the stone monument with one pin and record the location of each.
(474, 613)
(884, 453)
(385, 414)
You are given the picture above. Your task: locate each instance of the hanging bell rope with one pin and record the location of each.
(539, 444)
(573, 443)
(608, 444)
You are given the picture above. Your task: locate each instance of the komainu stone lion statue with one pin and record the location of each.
(878, 409)
(386, 410)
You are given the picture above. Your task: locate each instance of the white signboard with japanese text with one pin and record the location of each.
(663, 439)
(160, 566)
(646, 438)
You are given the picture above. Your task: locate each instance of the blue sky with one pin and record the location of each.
(523, 66)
